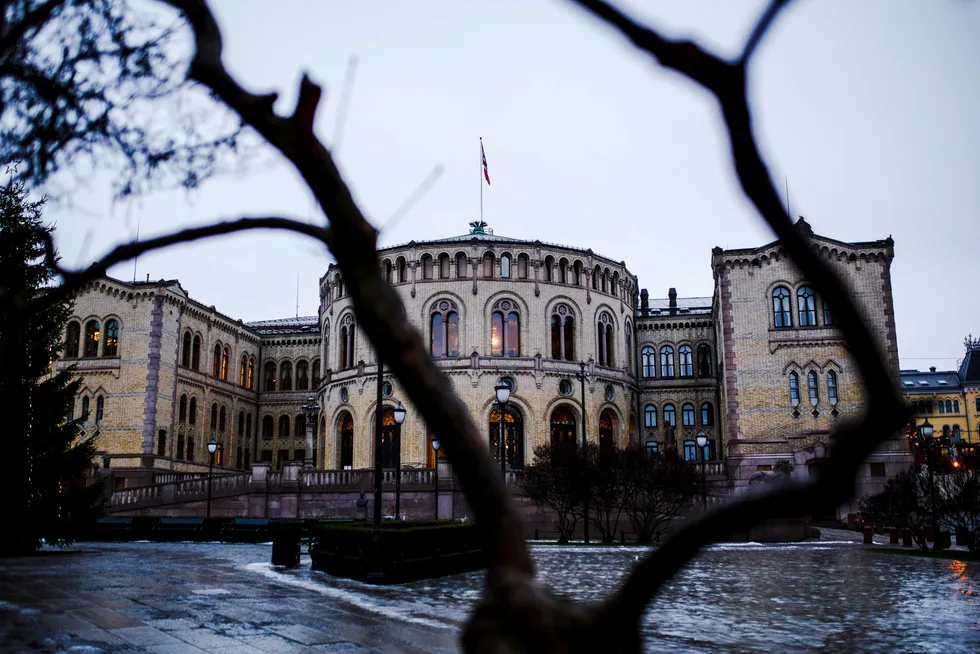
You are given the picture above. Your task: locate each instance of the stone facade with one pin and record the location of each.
(658, 372)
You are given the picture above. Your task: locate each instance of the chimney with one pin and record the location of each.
(644, 302)
(932, 368)
(672, 295)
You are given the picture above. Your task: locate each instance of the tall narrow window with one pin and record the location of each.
(225, 356)
(505, 330)
(685, 356)
(595, 278)
(192, 412)
(707, 414)
(549, 269)
(343, 348)
(505, 266)
(268, 428)
(666, 361)
(242, 371)
(832, 387)
(949, 406)
(182, 413)
(978, 404)
(386, 270)
(316, 374)
(704, 360)
(444, 329)
(283, 428)
(185, 351)
(648, 362)
(99, 408)
(828, 317)
(346, 339)
(562, 333)
(461, 266)
(85, 408)
(650, 415)
(250, 380)
(111, 347)
(811, 384)
(214, 416)
(302, 376)
(568, 336)
(942, 407)
(426, 266)
(555, 337)
(270, 376)
(73, 336)
(563, 270)
(443, 266)
(794, 389)
(670, 416)
(781, 315)
(807, 303)
(687, 415)
(452, 334)
(162, 442)
(690, 451)
(401, 267)
(437, 341)
(196, 354)
(299, 429)
(605, 341)
(285, 376)
(488, 265)
(522, 266)
(956, 406)
(345, 434)
(216, 361)
(496, 334)
(512, 335)
(577, 273)
(222, 419)
(92, 337)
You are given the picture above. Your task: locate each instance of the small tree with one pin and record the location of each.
(904, 502)
(555, 480)
(46, 498)
(605, 484)
(655, 491)
(960, 493)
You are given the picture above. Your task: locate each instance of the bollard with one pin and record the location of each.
(868, 540)
(535, 533)
(894, 535)
(906, 538)
(285, 546)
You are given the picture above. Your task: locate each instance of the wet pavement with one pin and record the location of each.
(738, 597)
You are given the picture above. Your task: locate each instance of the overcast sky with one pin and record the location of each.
(868, 108)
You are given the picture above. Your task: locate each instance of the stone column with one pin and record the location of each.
(258, 490)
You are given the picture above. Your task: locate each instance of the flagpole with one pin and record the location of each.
(481, 179)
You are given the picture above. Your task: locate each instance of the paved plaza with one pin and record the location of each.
(184, 598)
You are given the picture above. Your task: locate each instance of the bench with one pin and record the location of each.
(246, 530)
(111, 529)
(177, 529)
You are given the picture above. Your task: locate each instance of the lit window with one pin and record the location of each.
(111, 347)
(92, 336)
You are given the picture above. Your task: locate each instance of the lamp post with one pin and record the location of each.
(311, 410)
(702, 440)
(435, 448)
(212, 448)
(585, 457)
(503, 396)
(926, 432)
(378, 423)
(399, 414)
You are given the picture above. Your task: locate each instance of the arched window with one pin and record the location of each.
(650, 416)
(563, 434)
(686, 360)
(443, 266)
(604, 342)
(828, 317)
(461, 266)
(111, 347)
(577, 273)
(704, 360)
(92, 336)
(243, 371)
(300, 428)
(781, 307)
(85, 408)
(241, 426)
(942, 407)
(270, 376)
(302, 376)
(562, 333)
(956, 406)
(268, 428)
(690, 451)
(182, 411)
(811, 384)
(250, 382)
(99, 408)
(978, 405)
(346, 360)
(595, 278)
(522, 265)
(687, 415)
(670, 416)
(563, 270)
(488, 265)
(444, 330)
(505, 330)
(386, 270)
(222, 419)
(513, 433)
(190, 448)
(629, 347)
(607, 434)
(832, 387)
(505, 266)
(401, 269)
(648, 361)
(214, 416)
(73, 337)
(283, 427)
(285, 376)
(216, 361)
(794, 389)
(949, 406)
(707, 414)
(316, 374)
(192, 412)
(806, 301)
(196, 353)
(185, 351)
(666, 361)
(225, 356)
(426, 266)
(605, 280)
(345, 434)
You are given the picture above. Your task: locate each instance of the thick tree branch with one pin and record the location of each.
(75, 279)
(761, 27)
(885, 414)
(380, 311)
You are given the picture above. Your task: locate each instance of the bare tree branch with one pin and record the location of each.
(75, 279)
(380, 311)
(763, 24)
(10, 39)
(886, 413)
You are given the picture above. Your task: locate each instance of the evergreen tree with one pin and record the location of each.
(46, 498)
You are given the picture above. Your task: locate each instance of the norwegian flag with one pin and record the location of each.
(483, 155)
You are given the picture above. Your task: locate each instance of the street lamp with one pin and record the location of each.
(503, 396)
(926, 431)
(311, 410)
(702, 440)
(212, 448)
(399, 415)
(585, 456)
(435, 448)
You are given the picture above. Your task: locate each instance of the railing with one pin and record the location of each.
(321, 478)
(275, 479)
(182, 490)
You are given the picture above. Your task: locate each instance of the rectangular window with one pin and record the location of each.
(763, 468)
(690, 451)
(877, 469)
